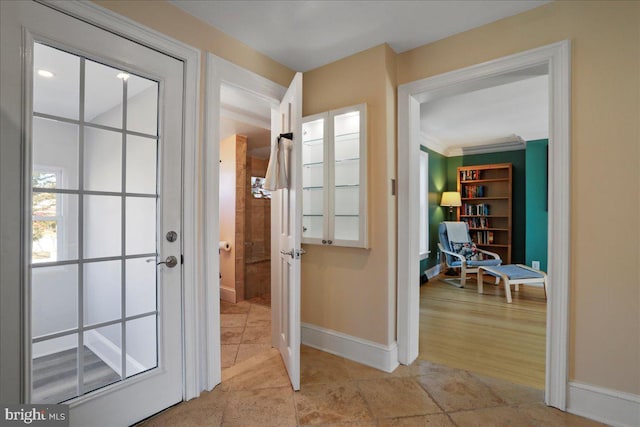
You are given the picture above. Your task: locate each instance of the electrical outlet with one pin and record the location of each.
(535, 264)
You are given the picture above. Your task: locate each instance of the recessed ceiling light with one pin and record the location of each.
(45, 73)
(123, 76)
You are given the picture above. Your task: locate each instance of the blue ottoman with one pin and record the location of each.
(514, 274)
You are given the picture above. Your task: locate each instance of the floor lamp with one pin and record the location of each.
(452, 200)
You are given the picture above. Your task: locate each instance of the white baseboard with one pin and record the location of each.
(433, 271)
(228, 294)
(359, 350)
(611, 407)
(110, 353)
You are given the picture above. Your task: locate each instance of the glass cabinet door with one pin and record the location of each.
(334, 178)
(346, 176)
(313, 180)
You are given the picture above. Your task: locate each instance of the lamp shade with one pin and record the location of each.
(450, 198)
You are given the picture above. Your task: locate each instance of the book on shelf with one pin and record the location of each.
(483, 237)
(480, 209)
(477, 222)
(473, 191)
(469, 175)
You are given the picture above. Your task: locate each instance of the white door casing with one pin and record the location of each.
(557, 57)
(286, 234)
(130, 400)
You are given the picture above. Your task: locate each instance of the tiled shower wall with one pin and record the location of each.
(257, 236)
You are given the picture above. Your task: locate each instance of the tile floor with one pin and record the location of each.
(339, 392)
(245, 329)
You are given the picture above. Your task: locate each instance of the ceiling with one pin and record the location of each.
(496, 118)
(245, 114)
(304, 35)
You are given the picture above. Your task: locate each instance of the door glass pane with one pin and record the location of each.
(79, 205)
(141, 228)
(141, 285)
(54, 373)
(312, 226)
(55, 149)
(54, 224)
(142, 105)
(54, 299)
(347, 175)
(102, 364)
(102, 160)
(102, 292)
(346, 227)
(102, 232)
(56, 82)
(142, 352)
(313, 179)
(103, 94)
(141, 165)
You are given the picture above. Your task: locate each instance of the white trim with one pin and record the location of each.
(410, 95)
(359, 350)
(611, 407)
(110, 353)
(218, 72)
(193, 300)
(228, 294)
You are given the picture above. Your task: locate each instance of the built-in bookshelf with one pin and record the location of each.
(486, 193)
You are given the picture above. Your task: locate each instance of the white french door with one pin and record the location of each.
(286, 214)
(105, 148)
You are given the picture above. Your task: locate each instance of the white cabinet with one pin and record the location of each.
(334, 178)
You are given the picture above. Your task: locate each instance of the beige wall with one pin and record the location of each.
(605, 112)
(173, 21)
(347, 289)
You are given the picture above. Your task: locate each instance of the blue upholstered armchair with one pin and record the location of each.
(456, 260)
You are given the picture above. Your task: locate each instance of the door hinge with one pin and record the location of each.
(181, 259)
(393, 187)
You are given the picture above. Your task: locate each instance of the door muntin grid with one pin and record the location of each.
(94, 213)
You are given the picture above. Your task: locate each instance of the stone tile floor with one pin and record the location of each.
(338, 392)
(245, 329)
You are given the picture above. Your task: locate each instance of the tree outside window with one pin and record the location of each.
(46, 217)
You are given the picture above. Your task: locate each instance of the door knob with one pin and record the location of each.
(170, 262)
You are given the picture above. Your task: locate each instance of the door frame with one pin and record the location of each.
(557, 56)
(16, 387)
(218, 72)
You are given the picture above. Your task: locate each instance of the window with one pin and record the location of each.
(47, 220)
(424, 205)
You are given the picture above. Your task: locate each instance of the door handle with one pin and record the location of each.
(290, 253)
(170, 262)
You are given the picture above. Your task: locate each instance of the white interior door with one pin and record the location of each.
(286, 232)
(104, 119)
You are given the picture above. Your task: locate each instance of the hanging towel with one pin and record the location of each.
(457, 231)
(276, 177)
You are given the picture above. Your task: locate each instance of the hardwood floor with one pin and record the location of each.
(482, 333)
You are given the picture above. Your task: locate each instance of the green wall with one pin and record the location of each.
(536, 202)
(437, 184)
(529, 238)
(517, 158)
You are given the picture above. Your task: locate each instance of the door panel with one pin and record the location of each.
(105, 188)
(286, 235)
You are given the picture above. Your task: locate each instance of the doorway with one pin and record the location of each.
(286, 212)
(245, 226)
(410, 96)
(471, 134)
